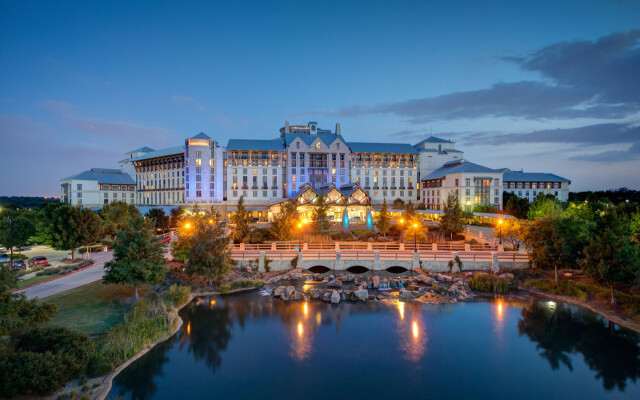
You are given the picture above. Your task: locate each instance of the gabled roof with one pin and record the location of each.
(201, 135)
(519, 176)
(326, 138)
(144, 149)
(458, 166)
(160, 153)
(261, 145)
(433, 139)
(104, 175)
(390, 148)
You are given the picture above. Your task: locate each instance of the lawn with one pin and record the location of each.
(93, 308)
(36, 279)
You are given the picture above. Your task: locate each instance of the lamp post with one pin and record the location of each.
(401, 223)
(500, 230)
(11, 241)
(299, 236)
(415, 238)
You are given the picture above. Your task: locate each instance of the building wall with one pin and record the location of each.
(529, 190)
(466, 187)
(244, 166)
(160, 181)
(92, 194)
(388, 180)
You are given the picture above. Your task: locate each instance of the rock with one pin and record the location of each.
(348, 278)
(278, 291)
(288, 293)
(327, 295)
(334, 284)
(300, 296)
(335, 297)
(296, 276)
(361, 294)
(406, 294)
(317, 293)
(375, 282)
(248, 269)
(508, 275)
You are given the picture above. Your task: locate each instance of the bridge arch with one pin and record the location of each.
(358, 269)
(396, 269)
(319, 269)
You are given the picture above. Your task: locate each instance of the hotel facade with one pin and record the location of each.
(304, 158)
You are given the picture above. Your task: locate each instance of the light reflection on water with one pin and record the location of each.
(395, 347)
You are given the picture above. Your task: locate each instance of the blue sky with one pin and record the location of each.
(550, 86)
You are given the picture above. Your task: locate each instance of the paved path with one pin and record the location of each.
(74, 280)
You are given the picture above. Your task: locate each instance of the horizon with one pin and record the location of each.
(83, 83)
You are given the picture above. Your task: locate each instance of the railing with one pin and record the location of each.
(480, 234)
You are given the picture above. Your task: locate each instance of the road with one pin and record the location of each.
(41, 250)
(88, 275)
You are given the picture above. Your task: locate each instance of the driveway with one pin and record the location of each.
(88, 275)
(47, 251)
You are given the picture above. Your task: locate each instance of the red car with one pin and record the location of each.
(165, 240)
(38, 260)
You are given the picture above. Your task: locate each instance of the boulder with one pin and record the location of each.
(317, 293)
(334, 284)
(327, 295)
(335, 297)
(508, 275)
(296, 275)
(361, 294)
(278, 291)
(248, 269)
(288, 293)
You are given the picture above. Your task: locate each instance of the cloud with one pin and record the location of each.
(580, 79)
(612, 156)
(179, 99)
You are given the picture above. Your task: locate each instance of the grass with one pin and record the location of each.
(93, 308)
(31, 281)
(489, 284)
(563, 288)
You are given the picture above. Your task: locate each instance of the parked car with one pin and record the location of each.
(18, 264)
(4, 257)
(38, 260)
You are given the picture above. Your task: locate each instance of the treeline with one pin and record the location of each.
(622, 195)
(26, 202)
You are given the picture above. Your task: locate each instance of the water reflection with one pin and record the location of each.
(411, 332)
(560, 330)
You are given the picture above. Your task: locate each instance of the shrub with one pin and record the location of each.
(177, 294)
(224, 289)
(563, 287)
(450, 266)
(267, 264)
(98, 366)
(44, 360)
(459, 263)
(489, 284)
(258, 284)
(242, 284)
(294, 262)
(85, 388)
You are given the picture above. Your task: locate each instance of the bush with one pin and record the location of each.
(177, 294)
(563, 288)
(489, 284)
(259, 235)
(224, 289)
(258, 284)
(44, 360)
(294, 262)
(242, 284)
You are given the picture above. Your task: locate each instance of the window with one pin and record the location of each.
(255, 171)
(467, 182)
(293, 186)
(456, 181)
(496, 182)
(198, 161)
(211, 163)
(198, 170)
(79, 186)
(198, 154)
(80, 195)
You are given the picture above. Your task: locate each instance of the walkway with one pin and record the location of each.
(80, 278)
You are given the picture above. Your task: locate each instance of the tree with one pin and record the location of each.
(415, 231)
(384, 221)
(511, 231)
(409, 212)
(514, 205)
(210, 255)
(160, 221)
(451, 219)
(23, 229)
(544, 206)
(72, 228)
(16, 312)
(398, 204)
(43, 219)
(176, 217)
(138, 257)
(320, 219)
(611, 257)
(285, 223)
(556, 241)
(116, 216)
(240, 220)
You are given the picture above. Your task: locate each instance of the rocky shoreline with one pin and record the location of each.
(424, 287)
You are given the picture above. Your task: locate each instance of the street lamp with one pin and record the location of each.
(11, 241)
(299, 236)
(415, 238)
(401, 223)
(500, 230)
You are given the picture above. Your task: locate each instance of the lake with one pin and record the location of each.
(247, 346)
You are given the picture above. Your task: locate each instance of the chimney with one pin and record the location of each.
(338, 128)
(286, 127)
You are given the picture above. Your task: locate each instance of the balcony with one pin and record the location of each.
(254, 187)
(265, 187)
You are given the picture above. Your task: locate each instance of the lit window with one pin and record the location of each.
(198, 161)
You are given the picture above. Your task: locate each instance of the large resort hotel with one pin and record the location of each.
(301, 164)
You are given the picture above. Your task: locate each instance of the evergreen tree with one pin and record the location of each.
(210, 255)
(72, 228)
(176, 217)
(240, 220)
(611, 257)
(321, 222)
(451, 219)
(116, 216)
(398, 204)
(138, 257)
(160, 221)
(514, 205)
(23, 229)
(384, 220)
(284, 224)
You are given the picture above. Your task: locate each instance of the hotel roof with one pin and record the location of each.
(104, 175)
(201, 135)
(459, 166)
(391, 148)
(260, 145)
(519, 176)
(326, 138)
(433, 139)
(144, 149)
(160, 153)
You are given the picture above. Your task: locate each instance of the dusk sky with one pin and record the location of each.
(548, 86)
